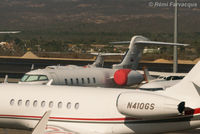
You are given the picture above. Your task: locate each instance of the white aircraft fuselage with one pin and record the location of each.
(81, 76)
(95, 110)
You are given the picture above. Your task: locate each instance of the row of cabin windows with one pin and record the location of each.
(35, 103)
(80, 81)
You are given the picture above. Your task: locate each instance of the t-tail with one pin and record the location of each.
(134, 53)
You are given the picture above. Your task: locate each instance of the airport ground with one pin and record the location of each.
(13, 131)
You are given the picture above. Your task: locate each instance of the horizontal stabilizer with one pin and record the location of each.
(150, 43)
(108, 54)
(159, 43)
(120, 42)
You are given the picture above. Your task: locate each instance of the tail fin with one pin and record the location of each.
(99, 62)
(134, 54)
(190, 83)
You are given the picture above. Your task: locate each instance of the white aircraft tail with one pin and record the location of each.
(190, 83)
(134, 54)
(99, 62)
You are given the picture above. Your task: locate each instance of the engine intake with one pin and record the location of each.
(127, 77)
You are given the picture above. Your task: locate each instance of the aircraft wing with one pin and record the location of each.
(163, 74)
(166, 74)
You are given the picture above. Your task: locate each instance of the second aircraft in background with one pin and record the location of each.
(123, 74)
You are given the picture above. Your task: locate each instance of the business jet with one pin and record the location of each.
(70, 109)
(123, 74)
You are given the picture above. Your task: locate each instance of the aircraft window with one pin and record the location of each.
(94, 80)
(82, 79)
(51, 104)
(43, 77)
(177, 77)
(76, 106)
(151, 89)
(66, 82)
(59, 104)
(77, 82)
(32, 78)
(27, 103)
(88, 79)
(69, 105)
(71, 81)
(42, 103)
(19, 102)
(35, 103)
(24, 78)
(169, 78)
(12, 102)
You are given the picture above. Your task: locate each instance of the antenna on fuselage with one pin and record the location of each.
(50, 82)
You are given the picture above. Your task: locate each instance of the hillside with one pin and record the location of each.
(87, 19)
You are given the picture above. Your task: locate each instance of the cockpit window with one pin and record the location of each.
(30, 78)
(24, 77)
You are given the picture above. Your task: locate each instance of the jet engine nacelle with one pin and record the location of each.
(146, 105)
(126, 77)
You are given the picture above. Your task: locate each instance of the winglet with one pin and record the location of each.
(41, 126)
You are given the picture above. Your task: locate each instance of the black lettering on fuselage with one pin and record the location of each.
(141, 105)
(129, 105)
